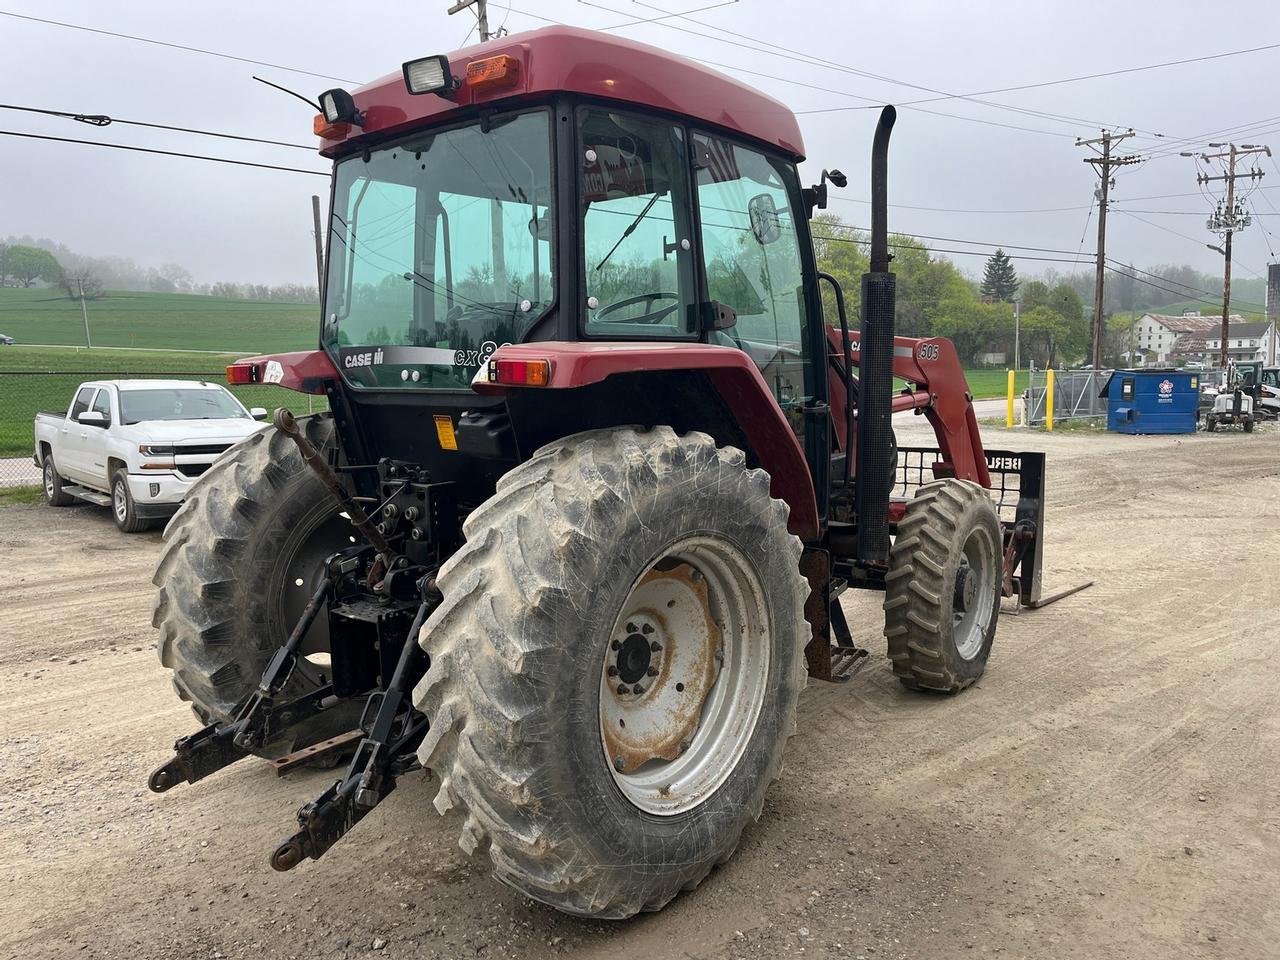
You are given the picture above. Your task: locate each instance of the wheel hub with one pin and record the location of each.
(661, 665)
(966, 589)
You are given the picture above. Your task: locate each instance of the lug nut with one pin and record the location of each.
(631, 627)
(615, 645)
(647, 628)
(411, 513)
(612, 671)
(637, 689)
(390, 510)
(623, 688)
(416, 533)
(653, 671)
(619, 764)
(655, 647)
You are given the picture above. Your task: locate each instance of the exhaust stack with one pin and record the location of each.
(874, 480)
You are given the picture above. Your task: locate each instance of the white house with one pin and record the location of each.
(1245, 341)
(1156, 333)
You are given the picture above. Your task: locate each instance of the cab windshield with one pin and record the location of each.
(440, 252)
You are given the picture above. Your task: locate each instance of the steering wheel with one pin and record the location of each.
(651, 315)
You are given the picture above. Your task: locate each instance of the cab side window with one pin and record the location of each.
(636, 226)
(102, 404)
(752, 254)
(83, 398)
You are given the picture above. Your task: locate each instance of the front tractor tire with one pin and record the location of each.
(241, 558)
(942, 596)
(615, 667)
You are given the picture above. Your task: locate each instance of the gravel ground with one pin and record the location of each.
(1110, 788)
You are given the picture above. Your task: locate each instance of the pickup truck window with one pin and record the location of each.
(179, 404)
(102, 404)
(83, 397)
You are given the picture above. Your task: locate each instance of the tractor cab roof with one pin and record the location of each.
(571, 60)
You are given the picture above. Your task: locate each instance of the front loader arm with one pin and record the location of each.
(940, 391)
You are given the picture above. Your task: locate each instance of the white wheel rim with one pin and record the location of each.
(972, 613)
(48, 480)
(120, 502)
(673, 744)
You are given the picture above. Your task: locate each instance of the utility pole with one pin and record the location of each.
(315, 219)
(482, 14)
(1227, 220)
(1103, 163)
(1017, 332)
(84, 312)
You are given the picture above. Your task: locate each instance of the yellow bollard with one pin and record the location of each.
(1008, 417)
(1048, 401)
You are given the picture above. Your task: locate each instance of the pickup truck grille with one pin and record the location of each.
(202, 453)
(201, 449)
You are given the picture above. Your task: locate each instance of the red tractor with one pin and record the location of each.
(594, 472)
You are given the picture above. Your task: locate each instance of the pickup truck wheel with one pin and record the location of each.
(123, 509)
(241, 558)
(615, 667)
(54, 495)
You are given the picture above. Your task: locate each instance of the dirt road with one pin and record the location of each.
(1110, 789)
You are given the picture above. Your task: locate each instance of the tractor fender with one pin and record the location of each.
(730, 371)
(307, 371)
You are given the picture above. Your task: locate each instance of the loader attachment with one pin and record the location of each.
(1018, 492)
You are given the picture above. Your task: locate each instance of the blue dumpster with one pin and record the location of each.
(1152, 401)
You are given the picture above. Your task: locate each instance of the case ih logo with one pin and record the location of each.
(1166, 388)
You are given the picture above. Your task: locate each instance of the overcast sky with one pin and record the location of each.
(249, 225)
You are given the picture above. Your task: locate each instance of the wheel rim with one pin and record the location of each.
(48, 479)
(975, 587)
(684, 676)
(120, 501)
(321, 534)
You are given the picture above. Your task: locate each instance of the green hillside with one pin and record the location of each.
(159, 321)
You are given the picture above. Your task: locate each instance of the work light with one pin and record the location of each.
(429, 75)
(338, 107)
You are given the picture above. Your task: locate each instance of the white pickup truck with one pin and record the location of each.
(136, 446)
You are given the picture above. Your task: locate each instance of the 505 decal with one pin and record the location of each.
(927, 351)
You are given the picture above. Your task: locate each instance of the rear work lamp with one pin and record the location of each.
(338, 106)
(429, 75)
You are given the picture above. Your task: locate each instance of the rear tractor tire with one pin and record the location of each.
(942, 597)
(241, 559)
(615, 667)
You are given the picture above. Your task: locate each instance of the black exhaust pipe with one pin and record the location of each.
(874, 481)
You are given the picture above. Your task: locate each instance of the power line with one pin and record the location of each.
(175, 46)
(102, 120)
(800, 56)
(901, 246)
(1112, 73)
(163, 153)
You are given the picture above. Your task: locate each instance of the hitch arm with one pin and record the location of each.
(379, 759)
(221, 744)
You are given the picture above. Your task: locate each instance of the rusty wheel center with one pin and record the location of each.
(684, 675)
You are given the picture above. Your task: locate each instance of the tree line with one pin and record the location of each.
(26, 262)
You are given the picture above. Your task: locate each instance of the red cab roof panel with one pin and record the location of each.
(573, 60)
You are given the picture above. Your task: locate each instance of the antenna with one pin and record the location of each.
(292, 93)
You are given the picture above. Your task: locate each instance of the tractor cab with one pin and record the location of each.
(495, 197)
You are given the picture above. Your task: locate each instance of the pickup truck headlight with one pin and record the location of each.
(155, 449)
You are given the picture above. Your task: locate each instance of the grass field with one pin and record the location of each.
(44, 378)
(168, 334)
(985, 384)
(158, 321)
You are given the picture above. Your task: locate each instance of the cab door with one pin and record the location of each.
(73, 438)
(753, 242)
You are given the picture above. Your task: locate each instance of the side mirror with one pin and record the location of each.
(764, 218)
(258, 413)
(92, 418)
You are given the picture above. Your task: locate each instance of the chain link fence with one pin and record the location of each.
(23, 393)
(1075, 396)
